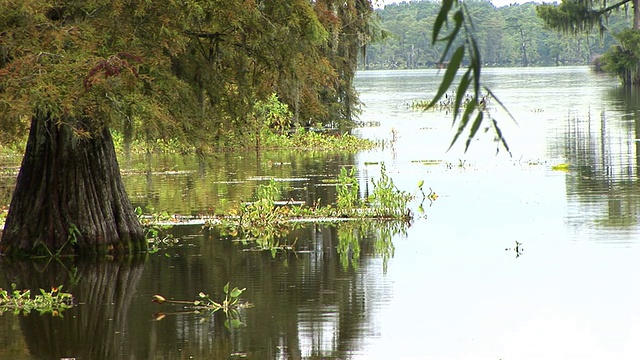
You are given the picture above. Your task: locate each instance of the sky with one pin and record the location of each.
(498, 3)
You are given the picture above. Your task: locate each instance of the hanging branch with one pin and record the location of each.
(453, 10)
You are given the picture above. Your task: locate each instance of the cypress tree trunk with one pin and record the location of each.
(69, 196)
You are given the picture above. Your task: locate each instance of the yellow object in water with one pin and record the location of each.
(561, 167)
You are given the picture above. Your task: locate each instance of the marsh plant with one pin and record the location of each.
(267, 221)
(387, 200)
(262, 220)
(348, 191)
(204, 304)
(47, 302)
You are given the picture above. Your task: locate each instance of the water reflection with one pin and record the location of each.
(97, 327)
(192, 185)
(306, 303)
(353, 235)
(603, 151)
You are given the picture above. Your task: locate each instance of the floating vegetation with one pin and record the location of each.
(204, 304)
(20, 301)
(371, 123)
(267, 221)
(298, 138)
(448, 103)
(156, 228)
(561, 167)
(427, 162)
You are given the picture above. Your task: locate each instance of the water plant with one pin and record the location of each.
(262, 220)
(387, 200)
(347, 191)
(230, 305)
(47, 302)
(448, 104)
(267, 222)
(72, 240)
(518, 249)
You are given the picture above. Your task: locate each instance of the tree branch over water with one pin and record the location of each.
(454, 11)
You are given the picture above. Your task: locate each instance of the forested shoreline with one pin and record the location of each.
(511, 35)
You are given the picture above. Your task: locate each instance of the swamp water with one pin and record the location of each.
(518, 258)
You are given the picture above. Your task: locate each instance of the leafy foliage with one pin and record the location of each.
(504, 36)
(575, 16)
(187, 70)
(47, 302)
(267, 221)
(453, 11)
(624, 60)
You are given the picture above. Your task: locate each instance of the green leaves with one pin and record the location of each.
(449, 74)
(21, 302)
(230, 305)
(467, 52)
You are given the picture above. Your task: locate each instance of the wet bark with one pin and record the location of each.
(69, 197)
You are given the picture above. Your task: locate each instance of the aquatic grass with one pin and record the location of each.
(347, 191)
(448, 104)
(47, 302)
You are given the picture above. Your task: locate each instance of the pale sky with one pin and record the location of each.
(497, 3)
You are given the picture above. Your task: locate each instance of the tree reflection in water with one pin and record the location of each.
(97, 326)
(306, 303)
(603, 151)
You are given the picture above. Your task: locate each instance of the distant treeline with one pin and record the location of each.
(508, 36)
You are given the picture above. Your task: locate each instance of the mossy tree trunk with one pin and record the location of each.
(69, 197)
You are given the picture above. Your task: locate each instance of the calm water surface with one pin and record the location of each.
(450, 285)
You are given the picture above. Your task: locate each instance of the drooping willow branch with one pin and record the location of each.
(455, 11)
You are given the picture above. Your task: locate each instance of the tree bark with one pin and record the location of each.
(69, 197)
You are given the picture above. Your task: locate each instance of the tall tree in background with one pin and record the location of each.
(576, 16)
(189, 70)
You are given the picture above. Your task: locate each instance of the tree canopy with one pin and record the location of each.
(507, 36)
(190, 69)
(187, 70)
(585, 16)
